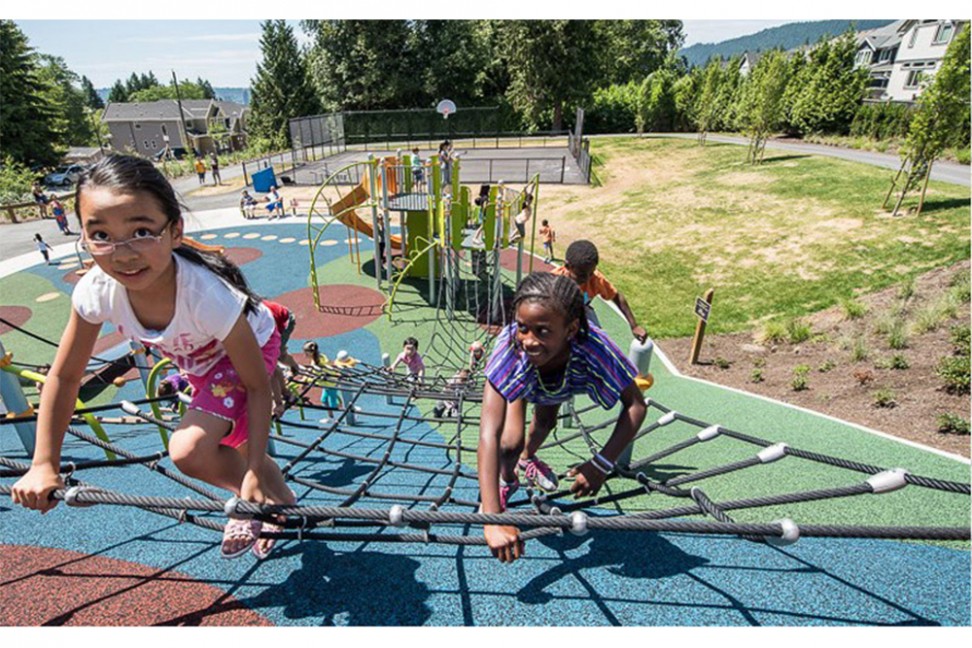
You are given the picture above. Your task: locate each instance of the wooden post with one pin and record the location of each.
(700, 329)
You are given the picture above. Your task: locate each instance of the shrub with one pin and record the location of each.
(863, 376)
(853, 309)
(884, 398)
(722, 363)
(882, 120)
(798, 331)
(826, 366)
(959, 336)
(859, 349)
(799, 382)
(773, 332)
(897, 361)
(959, 288)
(756, 376)
(907, 290)
(949, 423)
(955, 372)
(16, 181)
(898, 335)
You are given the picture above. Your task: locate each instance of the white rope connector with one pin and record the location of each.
(772, 453)
(71, 495)
(130, 408)
(396, 515)
(887, 481)
(229, 508)
(184, 398)
(666, 418)
(791, 533)
(578, 523)
(710, 432)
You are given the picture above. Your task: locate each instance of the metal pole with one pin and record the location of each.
(372, 168)
(386, 219)
(16, 403)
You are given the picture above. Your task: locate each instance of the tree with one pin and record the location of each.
(27, 129)
(831, 88)
(71, 119)
(553, 65)
(451, 56)
(118, 93)
(366, 64)
(941, 120)
(187, 90)
(91, 97)
(281, 89)
(708, 108)
(636, 48)
(761, 102)
(206, 87)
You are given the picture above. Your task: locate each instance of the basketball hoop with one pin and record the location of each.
(446, 107)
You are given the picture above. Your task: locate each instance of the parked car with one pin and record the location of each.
(64, 176)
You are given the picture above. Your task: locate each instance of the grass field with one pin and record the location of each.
(793, 236)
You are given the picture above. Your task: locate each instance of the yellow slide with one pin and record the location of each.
(344, 209)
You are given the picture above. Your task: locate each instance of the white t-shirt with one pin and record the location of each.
(206, 310)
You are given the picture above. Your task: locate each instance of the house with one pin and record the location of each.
(748, 61)
(201, 125)
(903, 56)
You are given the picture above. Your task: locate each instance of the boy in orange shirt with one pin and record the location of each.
(580, 264)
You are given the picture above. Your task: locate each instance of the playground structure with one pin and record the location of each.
(446, 239)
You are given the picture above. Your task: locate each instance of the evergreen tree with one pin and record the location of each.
(206, 87)
(281, 89)
(118, 93)
(831, 88)
(27, 129)
(452, 54)
(636, 48)
(708, 108)
(91, 97)
(71, 123)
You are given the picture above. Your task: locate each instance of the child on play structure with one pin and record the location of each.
(285, 323)
(449, 408)
(193, 307)
(519, 221)
(330, 397)
(545, 356)
(580, 264)
(476, 353)
(410, 357)
(418, 172)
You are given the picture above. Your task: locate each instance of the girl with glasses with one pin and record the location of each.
(197, 310)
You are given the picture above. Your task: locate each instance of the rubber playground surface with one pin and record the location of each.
(123, 565)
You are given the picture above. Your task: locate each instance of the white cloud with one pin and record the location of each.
(253, 37)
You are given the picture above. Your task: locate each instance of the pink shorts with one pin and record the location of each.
(220, 392)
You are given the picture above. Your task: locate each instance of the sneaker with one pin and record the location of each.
(505, 491)
(325, 420)
(539, 474)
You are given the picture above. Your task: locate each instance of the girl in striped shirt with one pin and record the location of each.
(548, 354)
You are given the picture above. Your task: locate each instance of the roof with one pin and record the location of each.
(882, 37)
(162, 110)
(231, 108)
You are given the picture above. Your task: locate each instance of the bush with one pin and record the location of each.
(826, 366)
(722, 363)
(949, 423)
(612, 110)
(853, 309)
(897, 361)
(798, 331)
(955, 372)
(773, 332)
(756, 376)
(959, 336)
(882, 120)
(898, 335)
(799, 382)
(16, 181)
(959, 288)
(884, 398)
(859, 350)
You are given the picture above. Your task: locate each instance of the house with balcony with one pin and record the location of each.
(198, 125)
(903, 56)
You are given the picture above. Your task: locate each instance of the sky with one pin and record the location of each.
(225, 52)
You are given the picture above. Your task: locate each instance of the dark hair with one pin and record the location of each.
(557, 292)
(165, 389)
(581, 254)
(412, 341)
(544, 222)
(129, 174)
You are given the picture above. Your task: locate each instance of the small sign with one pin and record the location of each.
(702, 309)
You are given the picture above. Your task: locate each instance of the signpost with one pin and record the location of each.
(703, 306)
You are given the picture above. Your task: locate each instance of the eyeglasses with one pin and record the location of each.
(138, 244)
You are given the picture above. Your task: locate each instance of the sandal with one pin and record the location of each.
(262, 553)
(237, 530)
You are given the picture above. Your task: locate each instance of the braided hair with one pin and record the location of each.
(130, 175)
(556, 292)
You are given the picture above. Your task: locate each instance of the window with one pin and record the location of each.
(914, 78)
(165, 131)
(943, 34)
(914, 36)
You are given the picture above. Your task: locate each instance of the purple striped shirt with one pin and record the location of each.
(596, 367)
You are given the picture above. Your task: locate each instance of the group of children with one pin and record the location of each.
(197, 309)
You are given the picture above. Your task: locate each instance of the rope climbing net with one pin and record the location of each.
(380, 468)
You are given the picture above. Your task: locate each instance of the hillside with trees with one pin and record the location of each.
(783, 37)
